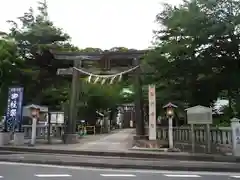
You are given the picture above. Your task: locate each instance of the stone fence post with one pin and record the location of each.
(235, 125)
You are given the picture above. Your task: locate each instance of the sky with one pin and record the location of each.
(96, 23)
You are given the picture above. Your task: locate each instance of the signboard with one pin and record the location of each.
(152, 112)
(199, 115)
(14, 109)
(57, 117)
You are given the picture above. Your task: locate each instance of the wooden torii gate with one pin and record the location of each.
(110, 63)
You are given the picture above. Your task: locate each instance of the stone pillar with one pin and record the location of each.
(34, 131)
(106, 124)
(70, 136)
(235, 125)
(18, 138)
(4, 138)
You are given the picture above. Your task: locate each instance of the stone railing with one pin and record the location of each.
(220, 137)
(42, 131)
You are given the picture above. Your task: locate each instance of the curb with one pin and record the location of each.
(128, 154)
(154, 149)
(148, 149)
(124, 166)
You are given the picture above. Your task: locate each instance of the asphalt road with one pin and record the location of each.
(114, 162)
(19, 171)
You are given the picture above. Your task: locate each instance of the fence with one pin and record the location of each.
(56, 131)
(221, 138)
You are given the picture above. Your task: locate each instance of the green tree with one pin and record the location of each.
(34, 36)
(10, 70)
(195, 58)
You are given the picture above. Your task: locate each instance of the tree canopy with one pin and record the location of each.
(26, 61)
(196, 53)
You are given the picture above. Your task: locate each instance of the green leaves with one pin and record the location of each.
(10, 69)
(197, 51)
(36, 69)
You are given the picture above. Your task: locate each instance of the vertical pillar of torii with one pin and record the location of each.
(70, 135)
(139, 114)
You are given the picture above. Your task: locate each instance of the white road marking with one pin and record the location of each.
(52, 175)
(103, 143)
(181, 175)
(120, 170)
(235, 176)
(118, 175)
(1, 176)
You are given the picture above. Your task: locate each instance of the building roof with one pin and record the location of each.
(42, 108)
(170, 105)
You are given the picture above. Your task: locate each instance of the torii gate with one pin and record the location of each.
(109, 60)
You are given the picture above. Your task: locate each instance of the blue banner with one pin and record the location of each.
(14, 109)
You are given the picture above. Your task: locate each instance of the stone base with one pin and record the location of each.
(70, 138)
(18, 138)
(156, 144)
(4, 138)
(140, 137)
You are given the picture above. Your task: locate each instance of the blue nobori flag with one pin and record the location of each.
(14, 109)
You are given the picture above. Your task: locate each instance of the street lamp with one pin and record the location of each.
(34, 110)
(170, 114)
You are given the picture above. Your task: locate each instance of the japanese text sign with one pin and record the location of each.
(152, 112)
(14, 108)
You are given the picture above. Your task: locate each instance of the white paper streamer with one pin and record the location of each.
(120, 77)
(105, 77)
(89, 78)
(111, 82)
(96, 80)
(104, 80)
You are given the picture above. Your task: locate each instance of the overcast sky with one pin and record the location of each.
(96, 23)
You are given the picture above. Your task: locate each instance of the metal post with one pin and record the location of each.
(170, 132)
(138, 100)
